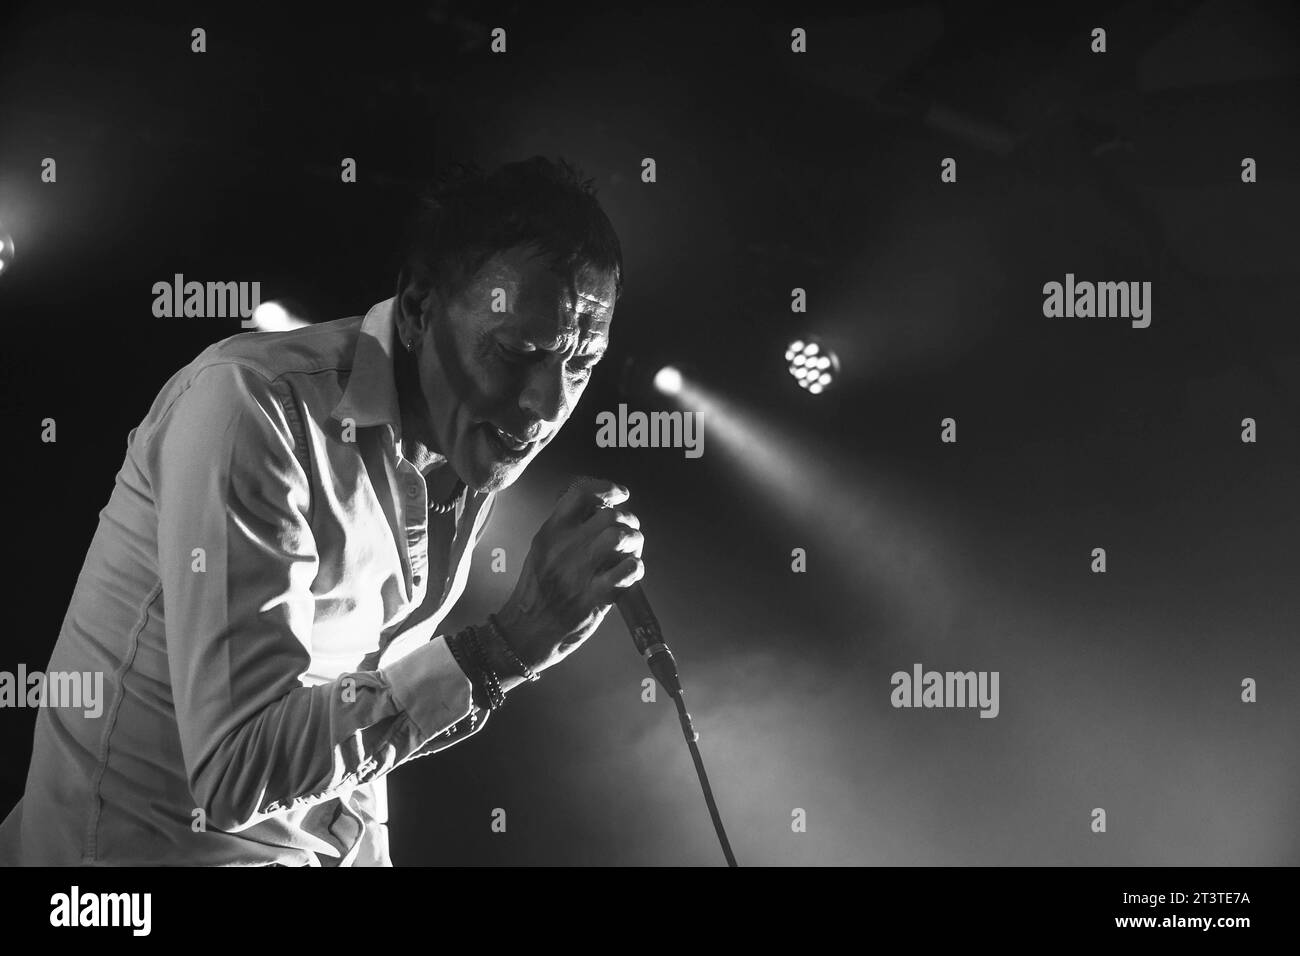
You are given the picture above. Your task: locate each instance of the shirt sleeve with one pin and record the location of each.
(407, 643)
(236, 560)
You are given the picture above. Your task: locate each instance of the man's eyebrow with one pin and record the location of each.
(584, 335)
(586, 346)
(560, 342)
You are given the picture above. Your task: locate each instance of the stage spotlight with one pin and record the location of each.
(274, 317)
(6, 251)
(813, 365)
(668, 380)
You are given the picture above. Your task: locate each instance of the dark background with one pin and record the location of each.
(775, 170)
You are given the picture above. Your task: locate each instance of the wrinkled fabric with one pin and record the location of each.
(262, 596)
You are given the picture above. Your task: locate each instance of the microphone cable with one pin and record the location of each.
(644, 628)
(692, 736)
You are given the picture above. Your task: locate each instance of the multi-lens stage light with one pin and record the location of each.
(812, 364)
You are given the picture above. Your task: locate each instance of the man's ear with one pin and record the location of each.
(414, 290)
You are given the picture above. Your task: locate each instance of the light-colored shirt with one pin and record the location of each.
(262, 597)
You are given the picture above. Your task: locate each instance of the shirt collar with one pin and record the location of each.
(371, 394)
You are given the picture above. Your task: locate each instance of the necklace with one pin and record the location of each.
(446, 507)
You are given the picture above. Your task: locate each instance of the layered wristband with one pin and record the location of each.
(469, 649)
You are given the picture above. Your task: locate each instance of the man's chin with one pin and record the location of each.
(485, 478)
(485, 469)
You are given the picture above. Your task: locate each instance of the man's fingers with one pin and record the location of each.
(619, 578)
(589, 532)
(585, 496)
(626, 517)
(604, 518)
(619, 539)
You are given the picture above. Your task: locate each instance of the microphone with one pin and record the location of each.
(644, 628)
(649, 640)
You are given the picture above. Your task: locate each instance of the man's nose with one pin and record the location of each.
(543, 394)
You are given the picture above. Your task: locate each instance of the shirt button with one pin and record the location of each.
(412, 491)
(417, 579)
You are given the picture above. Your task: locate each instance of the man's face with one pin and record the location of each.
(499, 385)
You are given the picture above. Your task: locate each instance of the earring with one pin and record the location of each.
(410, 345)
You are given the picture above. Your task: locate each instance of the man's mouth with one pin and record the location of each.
(509, 444)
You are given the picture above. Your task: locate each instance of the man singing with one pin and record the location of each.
(294, 518)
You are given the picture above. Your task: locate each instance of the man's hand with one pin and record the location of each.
(582, 558)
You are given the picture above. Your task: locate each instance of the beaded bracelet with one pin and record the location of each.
(463, 651)
(468, 666)
(491, 682)
(499, 632)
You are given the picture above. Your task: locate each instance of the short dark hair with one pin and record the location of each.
(467, 215)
